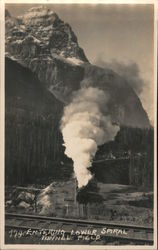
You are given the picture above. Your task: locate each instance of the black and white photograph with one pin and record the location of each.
(79, 125)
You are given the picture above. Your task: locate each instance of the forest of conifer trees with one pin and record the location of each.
(34, 151)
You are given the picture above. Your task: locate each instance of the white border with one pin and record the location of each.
(82, 1)
(2, 125)
(2, 120)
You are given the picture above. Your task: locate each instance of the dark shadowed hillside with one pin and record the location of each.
(33, 139)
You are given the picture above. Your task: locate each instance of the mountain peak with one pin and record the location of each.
(37, 15)
(49, 36)
(46, 45)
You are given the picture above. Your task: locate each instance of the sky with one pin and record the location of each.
(112, 34)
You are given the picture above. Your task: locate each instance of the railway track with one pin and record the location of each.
(46, 229)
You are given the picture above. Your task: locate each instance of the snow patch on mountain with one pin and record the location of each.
(71, 60)
(74, 60)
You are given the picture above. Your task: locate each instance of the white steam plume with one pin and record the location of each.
(85, 125)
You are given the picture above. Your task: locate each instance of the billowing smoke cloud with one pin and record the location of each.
(129, 71)
(141, 82)
(85, 125)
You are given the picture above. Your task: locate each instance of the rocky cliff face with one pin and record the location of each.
(46, 45)
(42, 42)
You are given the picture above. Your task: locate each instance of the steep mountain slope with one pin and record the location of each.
(33, 142)
(124, 105)
(46, 45)
(24, 92)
